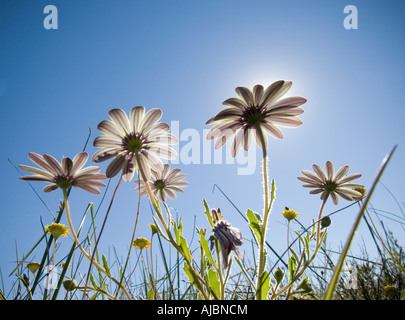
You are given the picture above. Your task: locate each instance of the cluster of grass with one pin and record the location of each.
(159, 273)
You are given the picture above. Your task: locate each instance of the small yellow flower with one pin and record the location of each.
(362, 191)
(390, 291)
(289, 214)
(154, 228)
(57, 230)
(33, 266)
(141, 243)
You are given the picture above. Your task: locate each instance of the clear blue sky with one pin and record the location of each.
(186, 57)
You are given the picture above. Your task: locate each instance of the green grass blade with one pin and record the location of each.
(336, 275)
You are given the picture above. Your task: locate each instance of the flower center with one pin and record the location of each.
(63, 181)
(253, 116)
(134, 142)
(330, 186)
(160, 184)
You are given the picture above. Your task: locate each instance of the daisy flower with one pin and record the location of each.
(254, 113)
(330, 183)
(138, 136)
(164, 183)
(64, 174)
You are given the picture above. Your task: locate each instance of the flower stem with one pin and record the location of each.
(266, 212)
(72, 230)
(199, 280)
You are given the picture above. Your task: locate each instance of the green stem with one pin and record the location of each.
(195, 274)
(262, 263)
(72, 230)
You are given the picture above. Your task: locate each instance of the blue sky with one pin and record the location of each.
(186, 57)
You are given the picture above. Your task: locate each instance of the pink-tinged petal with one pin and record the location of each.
(106, 141)
(128, 170)
(141, 163)
(166, 138)
(40, 161)
(272, 129)
(349, 193)
(245, 94)
(270, 91)
(115, 166)
(235, 102)
(222, 137)
(318, 170)
(291, 122)
(351, 185)
(135, 118)
(335, 198)
(316, 191)
(330, 170)
(257, 94)
(53, 163)
(170, 193)
(247, 138)
(279, 93)
(237, 143)
(37, 178)
(151, 117)
(164, 151)
(87, 188)
(341, 173)
(50, 188)
(181, 184)
(349, 178)
(78, 162)
(312, 176)
(173, 173)
(289, 102)
(109, 128)
(175, 189)
(120, 120)
(36, 171)
(93, 183)
(67, 165)
(105, 154)
(166, 170)
(284, 111)
(229, 113)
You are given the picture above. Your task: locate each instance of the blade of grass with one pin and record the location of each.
(336, 275)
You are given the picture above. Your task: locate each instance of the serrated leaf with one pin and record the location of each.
(255, 225)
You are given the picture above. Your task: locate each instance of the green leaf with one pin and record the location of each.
(186, 249)
(264, 285)
(279, 275)
(214, 283)
(304, 286)
(208, 213)
(292, 265)
(105, 265)
(189, 274)
(151, 294)
(255, 225)
(207, 251)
